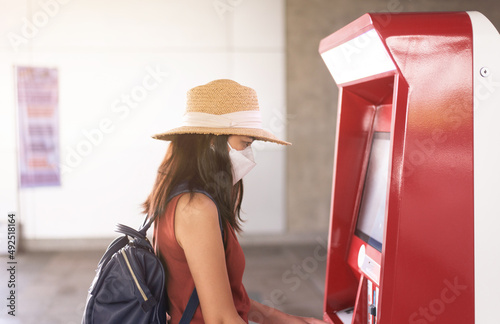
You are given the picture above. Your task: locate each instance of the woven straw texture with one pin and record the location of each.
(221, 97)
(217, 98)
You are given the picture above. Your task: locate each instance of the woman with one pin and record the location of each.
(211, 151)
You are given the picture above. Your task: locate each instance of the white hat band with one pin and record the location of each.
(239, 119)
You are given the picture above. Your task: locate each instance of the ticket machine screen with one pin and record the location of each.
(370, 225)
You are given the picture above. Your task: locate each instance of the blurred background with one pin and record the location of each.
(122, 71)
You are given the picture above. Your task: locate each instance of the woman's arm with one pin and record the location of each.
(198, 233)
(263, 314)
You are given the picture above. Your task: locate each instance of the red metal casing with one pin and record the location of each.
(426, 103)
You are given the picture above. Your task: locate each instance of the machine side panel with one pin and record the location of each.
(428, 270)
(486, 167)
(356, 118)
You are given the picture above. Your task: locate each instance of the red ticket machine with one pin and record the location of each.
(415, 215)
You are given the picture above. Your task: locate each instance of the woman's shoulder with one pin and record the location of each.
(196, 217)
(195, 204)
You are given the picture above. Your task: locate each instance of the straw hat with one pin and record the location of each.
(222, 107)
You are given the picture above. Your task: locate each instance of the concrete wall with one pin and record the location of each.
(312, 95)
(104, 50)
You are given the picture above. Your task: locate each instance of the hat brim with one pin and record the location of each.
(258, 134)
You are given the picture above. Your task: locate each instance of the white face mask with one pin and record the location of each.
(242, 162)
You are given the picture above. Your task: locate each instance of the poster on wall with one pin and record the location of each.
(38, 117)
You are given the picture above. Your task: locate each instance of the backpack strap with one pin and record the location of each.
(194, 301)
(191, 307)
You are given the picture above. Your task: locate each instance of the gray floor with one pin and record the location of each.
(51, 287)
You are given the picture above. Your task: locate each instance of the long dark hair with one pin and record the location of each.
(203, 162)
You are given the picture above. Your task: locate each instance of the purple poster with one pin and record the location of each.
(38, 111)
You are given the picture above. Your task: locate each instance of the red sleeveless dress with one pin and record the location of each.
(178, 277)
